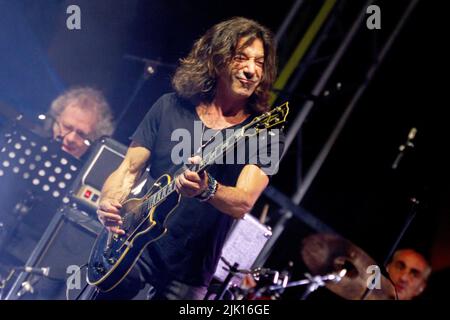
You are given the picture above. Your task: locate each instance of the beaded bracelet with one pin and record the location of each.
(210, 191)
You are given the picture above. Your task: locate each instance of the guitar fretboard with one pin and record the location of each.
(267, 120)
(207, 160)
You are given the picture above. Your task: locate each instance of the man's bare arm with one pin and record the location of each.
(118, 186)
(239, 200)
(234, 201)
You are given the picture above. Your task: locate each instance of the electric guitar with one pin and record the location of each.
(145, 219)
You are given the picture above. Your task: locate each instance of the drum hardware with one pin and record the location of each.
(226, 285)
(312, 282)
(329, 253)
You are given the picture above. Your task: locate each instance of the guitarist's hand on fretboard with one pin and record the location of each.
(190, 183)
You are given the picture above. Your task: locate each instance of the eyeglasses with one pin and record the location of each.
(65, 129)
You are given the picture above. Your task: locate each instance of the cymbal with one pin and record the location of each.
(328, 253)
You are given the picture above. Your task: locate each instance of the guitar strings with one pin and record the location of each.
(152, 195)
(146, 202)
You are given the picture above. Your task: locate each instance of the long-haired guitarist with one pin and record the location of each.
(219, 87)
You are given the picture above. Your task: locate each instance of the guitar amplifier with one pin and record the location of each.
(105, 157)
(64, 249)
(244, 243)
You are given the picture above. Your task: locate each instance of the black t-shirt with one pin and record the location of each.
(172, 131)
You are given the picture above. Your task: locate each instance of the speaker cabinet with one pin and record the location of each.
(64, 249)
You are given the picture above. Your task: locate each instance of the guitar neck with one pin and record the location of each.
(220, 150)
(263, 122)
(207, 161)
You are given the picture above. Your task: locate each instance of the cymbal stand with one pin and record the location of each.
(313, 282)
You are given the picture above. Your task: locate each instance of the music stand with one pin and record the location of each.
(32, 169)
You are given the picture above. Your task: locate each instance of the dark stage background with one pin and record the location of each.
(356, 192)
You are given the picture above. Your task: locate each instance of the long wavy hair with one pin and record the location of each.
(196, 77)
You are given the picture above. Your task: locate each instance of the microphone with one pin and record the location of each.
(26, 287)
(412, 134)
(403, 147)
(38, 271)
(150, 62)
(59, 139)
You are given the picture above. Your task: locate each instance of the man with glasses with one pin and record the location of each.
(80, 115)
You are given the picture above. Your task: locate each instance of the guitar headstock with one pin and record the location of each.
(268, 119)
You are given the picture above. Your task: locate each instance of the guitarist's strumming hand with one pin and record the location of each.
(109, 215)
(189, 183)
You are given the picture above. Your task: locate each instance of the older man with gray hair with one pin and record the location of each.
(81, 116)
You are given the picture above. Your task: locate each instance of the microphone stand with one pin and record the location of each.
(145, 75)
(414, 203)
(150, 68)
(223, 288)
(27, 286)
(4, 281)
(21, 209)
(411, 215)
(313, 282)
(232, 270)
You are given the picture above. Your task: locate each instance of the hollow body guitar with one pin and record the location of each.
(145, 219)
